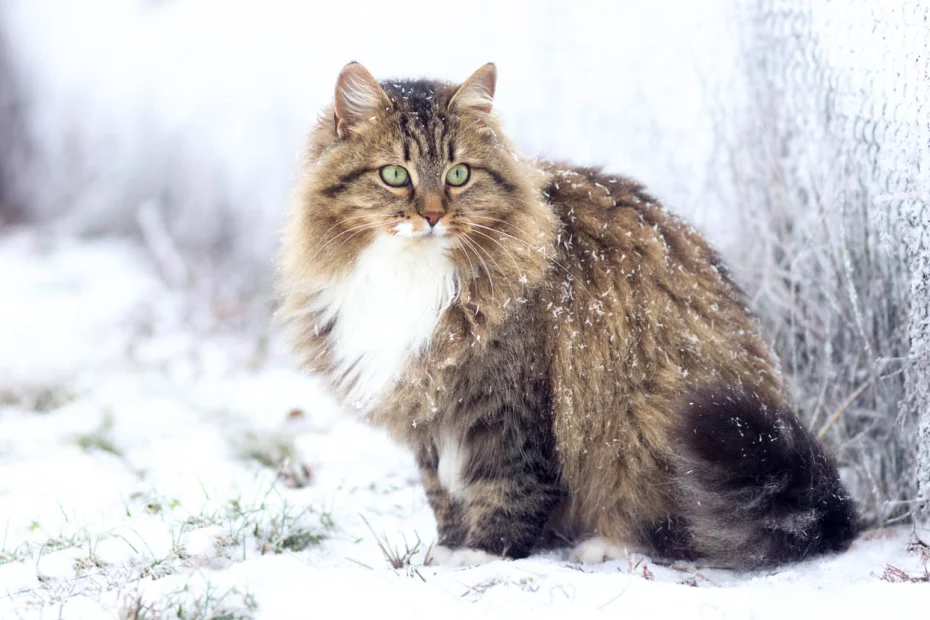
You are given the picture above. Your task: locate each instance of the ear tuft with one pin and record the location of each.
(477, 93)
(359, 97)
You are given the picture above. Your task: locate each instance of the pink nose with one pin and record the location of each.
(432, 217)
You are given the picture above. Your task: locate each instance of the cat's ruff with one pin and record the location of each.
(384, 311)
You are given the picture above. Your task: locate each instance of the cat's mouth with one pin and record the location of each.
(412, 230)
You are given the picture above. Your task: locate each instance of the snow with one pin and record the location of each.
(151, 459)
(151, 455)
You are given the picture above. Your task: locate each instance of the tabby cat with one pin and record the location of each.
(565, 359)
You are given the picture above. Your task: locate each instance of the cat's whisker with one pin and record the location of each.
(506, 234)
(475, 274)
(500, 221)
(573, 277)
(513, 226)
(360, 227)
(336, 236)
(487, 217)
(501, 246)
(344, 220)
(471, 265)
(481, 260)
(506, 251)
(350, 237)
(499, 269)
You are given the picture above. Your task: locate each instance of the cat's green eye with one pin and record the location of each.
(395, 176)
(458, 175)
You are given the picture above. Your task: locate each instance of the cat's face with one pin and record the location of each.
(421, 161)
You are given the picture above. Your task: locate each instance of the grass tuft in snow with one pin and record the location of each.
(268, 451)
(276, 452)
(36, 398)
(273, 531)
(397, 558)
(190, 603)
(101, 438)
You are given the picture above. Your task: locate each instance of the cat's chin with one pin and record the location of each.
(426, 242)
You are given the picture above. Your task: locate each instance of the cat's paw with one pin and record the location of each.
(444, 556)
(597, 550)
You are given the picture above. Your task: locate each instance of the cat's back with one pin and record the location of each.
(640, 311)
(652, 291)
(610, 221)
(618, 250)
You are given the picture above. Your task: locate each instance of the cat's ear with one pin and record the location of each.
(477, 93)
(359, 98)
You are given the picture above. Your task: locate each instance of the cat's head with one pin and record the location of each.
(421, 161)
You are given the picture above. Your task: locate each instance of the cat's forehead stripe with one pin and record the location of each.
(420, 120)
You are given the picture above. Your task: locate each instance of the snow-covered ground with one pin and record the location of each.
(153, 463)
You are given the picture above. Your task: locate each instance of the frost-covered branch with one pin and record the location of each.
(820, 172)
(917, 240)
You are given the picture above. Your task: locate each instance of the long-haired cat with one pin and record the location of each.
(562, 356)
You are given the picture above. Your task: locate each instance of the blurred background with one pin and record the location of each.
(793, 133)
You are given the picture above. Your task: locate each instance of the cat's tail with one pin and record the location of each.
(756, 489)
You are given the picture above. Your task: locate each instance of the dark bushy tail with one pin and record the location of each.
(756, 488)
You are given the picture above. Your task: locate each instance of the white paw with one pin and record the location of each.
(444, 556)
(437, 555)
(596, 551)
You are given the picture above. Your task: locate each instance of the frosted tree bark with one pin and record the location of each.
(918, 386)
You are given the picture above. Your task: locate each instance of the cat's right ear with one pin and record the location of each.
(359, 98)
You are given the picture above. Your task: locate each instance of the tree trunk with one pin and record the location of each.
(917, 216)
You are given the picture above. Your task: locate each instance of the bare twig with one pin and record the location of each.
(893, 574)
(158, 240)
(846, 404)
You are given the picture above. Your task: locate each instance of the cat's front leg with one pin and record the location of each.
(448, 512)
(507, 484)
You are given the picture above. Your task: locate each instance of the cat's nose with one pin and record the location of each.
(432, 217)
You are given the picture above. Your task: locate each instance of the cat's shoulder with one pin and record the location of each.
(589, 184)
(613, 218)
(593, 195)
(609, 207)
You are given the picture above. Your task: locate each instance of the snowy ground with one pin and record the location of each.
(153, 464)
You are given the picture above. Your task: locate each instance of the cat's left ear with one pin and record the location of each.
(477, 92)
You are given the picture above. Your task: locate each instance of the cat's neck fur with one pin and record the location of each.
(384, 311)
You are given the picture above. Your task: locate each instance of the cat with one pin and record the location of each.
(565, 359)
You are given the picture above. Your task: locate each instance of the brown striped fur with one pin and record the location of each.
(586, 318)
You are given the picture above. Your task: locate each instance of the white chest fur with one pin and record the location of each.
(385, 311)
